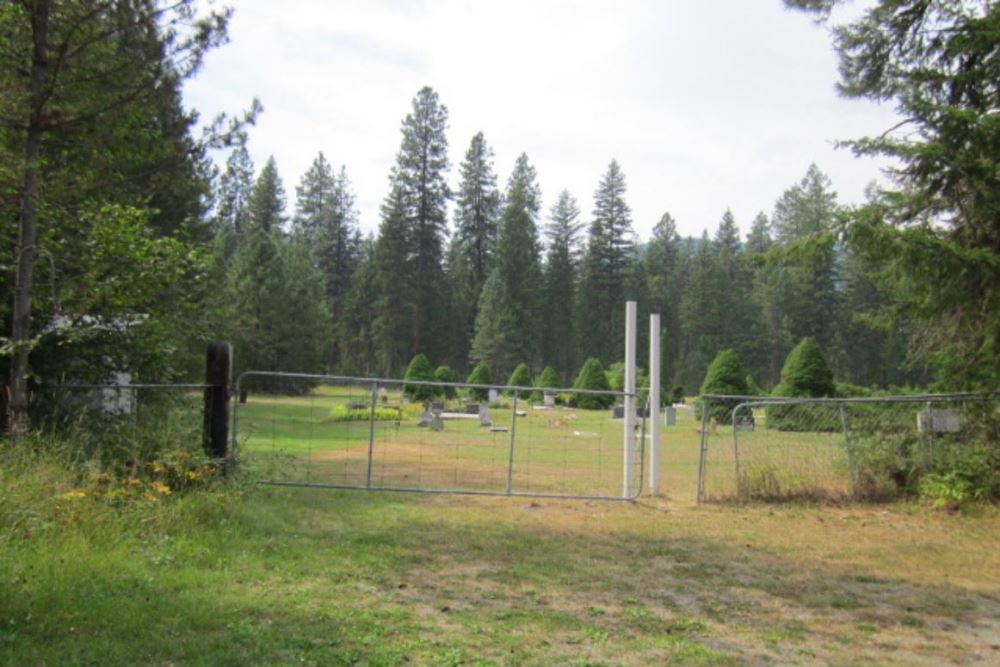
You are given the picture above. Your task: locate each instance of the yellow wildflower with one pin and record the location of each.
(160, 487)
(74, 495)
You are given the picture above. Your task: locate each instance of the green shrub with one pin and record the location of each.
(548, 378)
(341, 413)
(592, 376)
(677, 394)
(480, 375)
(419, 369)
(725, 376)
(446, 374)
(521, 377)
(806, 372)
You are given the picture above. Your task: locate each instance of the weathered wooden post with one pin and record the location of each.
(218, 375)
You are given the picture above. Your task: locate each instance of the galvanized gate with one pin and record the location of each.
(437, 437)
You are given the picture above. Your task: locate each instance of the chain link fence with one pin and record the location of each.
(759, 448)
(435, 437)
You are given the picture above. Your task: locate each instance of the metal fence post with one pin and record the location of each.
(700, 492)
(736, 449)
(654, 403)
(630, 402)
(510, 452)
(371, 435)
(850, 450)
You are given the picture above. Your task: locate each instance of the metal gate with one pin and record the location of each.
(436, 437)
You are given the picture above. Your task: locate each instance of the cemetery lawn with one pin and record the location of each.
(244, 574)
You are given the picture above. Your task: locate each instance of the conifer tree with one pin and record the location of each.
(661, 264)
(518, 262)
(607, 266)
(356, 326)
(410, 245)
(474, 243)
(560, 277)
(232, 196)
(313, 195)
(495, 343)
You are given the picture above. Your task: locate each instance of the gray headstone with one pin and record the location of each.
(549, 399)
(618, 412)
(494, 396)
(669, 416)
(744, 423)
(484, 415)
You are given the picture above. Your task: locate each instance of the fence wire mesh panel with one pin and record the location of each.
(434, 437)
(831, 449)
(130, 424)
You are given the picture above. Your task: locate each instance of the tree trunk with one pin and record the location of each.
(27, 243)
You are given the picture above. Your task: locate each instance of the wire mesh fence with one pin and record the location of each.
(123, 424)
(435, 437)
(755, 448)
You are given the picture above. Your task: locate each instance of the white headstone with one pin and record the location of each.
(494, 396)
(549, 399)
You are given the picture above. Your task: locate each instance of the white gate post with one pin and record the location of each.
(654, 404)
(629, 459)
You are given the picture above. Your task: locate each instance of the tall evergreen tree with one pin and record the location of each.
(395, 291)
(417, 206)
(356, 325)
(266, 207)
(232, 195)
(518, 260)
(560, 277)
(313, 195)
(606, 269)
(497, 341)
(474, 244)
(327, 220)
(661, 267)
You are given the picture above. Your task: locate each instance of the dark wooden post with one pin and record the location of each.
(218, 375)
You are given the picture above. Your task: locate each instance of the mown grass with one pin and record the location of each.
(234, 574)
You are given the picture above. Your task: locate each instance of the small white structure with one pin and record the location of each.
(939, 421)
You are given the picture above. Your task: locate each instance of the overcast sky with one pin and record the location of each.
(706, 105)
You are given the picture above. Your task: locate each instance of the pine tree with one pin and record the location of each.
(470, 257)
(477, 211)
(356, 326)
(232, 196)
(725, 376)
(266, 206)
(518, 262)
(559, 280)
(394, 293)
(662, 269)
(606, 269)
(495, 343)
(410, 245)
(313, 196)
(328, 220)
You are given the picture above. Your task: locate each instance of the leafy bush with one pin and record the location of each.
(446, 374)
(419, 369)
(341, 413)
(480, 375)
(806, 372)
(521, 377)
(725, 375)
(677, 394)
(547, 378)
(592, 376)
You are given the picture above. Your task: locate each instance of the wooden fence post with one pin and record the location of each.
(218, 375)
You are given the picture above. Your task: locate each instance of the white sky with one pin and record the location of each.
(706, 105)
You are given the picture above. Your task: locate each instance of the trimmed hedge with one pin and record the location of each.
(521, 377)
(592, 376)
(419, 369)
(481, 374)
